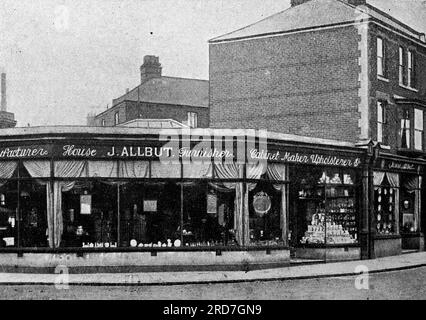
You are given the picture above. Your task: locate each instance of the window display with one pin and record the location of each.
(327, 207)
(410, 202)
(8, 205)
(264, 218)
(386, 199)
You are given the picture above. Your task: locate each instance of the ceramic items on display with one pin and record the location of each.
(133, 243)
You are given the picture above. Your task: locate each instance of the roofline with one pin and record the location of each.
(316, 28)
(11, 133)
(150, 102)
(192, 79)
(349, 22)
(419, 33)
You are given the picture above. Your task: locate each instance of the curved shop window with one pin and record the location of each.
(85, 203)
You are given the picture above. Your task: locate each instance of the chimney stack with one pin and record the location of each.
(3, 92)
(151, 68)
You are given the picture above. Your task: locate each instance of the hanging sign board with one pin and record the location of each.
(86, 204)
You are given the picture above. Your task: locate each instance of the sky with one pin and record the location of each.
(65, 58)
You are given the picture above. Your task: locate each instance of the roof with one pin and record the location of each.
(154, 123)
(315, 14)
(82, 131)
(170, 90)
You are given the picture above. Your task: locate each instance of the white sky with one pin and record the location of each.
(58, 69)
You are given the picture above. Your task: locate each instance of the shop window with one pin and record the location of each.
(418, 129)
(402, 67)
(89, 214)
(405, 130)
(265, 213)
(33, 214)
(411, 78)
(150, 214)
(325, 206)
(386, 202)
(8, 219)
(381, 58)
(208, 214)
(381, 121)
(410, 202)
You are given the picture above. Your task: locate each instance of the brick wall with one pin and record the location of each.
(304, 83)
(388, 89)
(130, 110)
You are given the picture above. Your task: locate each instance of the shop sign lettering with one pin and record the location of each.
(23, 152)
(73, 151)
(302, 158)
(402, 166)
(131, 152)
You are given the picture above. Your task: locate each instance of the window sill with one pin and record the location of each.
(408, 88)
(382, 78)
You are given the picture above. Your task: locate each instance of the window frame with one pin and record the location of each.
(381, 121)
(402, 66)
(192, 119)
(411, 68)
(418, 130)
(116, 118)
(381, 58)
(405, 120)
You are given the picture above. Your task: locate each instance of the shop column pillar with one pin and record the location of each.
(365, 236)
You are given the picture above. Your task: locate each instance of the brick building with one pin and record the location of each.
(312, 70)
(159, 97)
(341, 70)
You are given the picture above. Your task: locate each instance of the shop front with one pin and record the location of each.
(397, 208)
(126, 198)
(138, 199)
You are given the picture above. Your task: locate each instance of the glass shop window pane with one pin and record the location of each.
(265, 211)
(33, 204)
(208, 215)
(8, 206)
(89, 214)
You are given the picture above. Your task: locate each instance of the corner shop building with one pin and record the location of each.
(94, 197)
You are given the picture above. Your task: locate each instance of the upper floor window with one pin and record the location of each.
(192, 119)
(103, 123)
(418, 129)
(381, 57)
(405, 130)
(402, 67)
(381, 121)
(116, 118)
(411, 69)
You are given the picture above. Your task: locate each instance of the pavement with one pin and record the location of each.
(323, 270)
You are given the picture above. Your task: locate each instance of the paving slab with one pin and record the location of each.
(336, 269)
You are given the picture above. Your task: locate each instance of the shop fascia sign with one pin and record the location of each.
(314, 158)
(112, 151)
(399, 165)
(158, 150)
